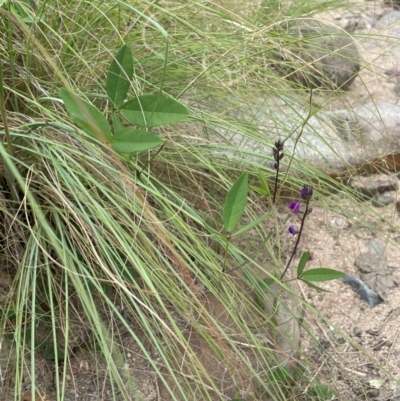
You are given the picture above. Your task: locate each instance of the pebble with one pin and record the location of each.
(339, 222)
(376, 247)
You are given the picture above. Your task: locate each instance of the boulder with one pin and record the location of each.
(330, 141)
(328, 55)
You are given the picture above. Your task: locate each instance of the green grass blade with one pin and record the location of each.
(251, 225)
(264, 183)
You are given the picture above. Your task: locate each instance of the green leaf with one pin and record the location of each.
(235, 202)
(86, 116)
(153, 110)
(322, 274)
(252, 224)
(129, 140)
(116, 122)
(310, 284)
(119, 76)
(302, 264)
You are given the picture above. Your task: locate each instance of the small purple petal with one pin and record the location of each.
(309, 210)
(276, 166)
(292, 230)
(295, 206)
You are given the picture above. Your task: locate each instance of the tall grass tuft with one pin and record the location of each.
(119, 263)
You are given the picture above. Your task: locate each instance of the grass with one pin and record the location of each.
(103, 260)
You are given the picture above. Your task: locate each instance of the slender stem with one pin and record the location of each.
(235, 268)
(154, 156)
(276, 181)
(225, 255)
(297, 241)
(309, 115)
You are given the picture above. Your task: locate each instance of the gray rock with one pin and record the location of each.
(381, 55)
(360, 23)
(331, 141)
(374, 269)
(390, 17)
(260, 124)
(318, 144)
(375, 246)
(373, 185)
(330, 56)
(394, 76)
(339, 222)
(364, 292)
(382, 200)
(374, 128)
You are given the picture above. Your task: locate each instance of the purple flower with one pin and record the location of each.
(279, 145)
(292, 230)
(306, 192)
(275, 166)
(277, 150)
(295, 206)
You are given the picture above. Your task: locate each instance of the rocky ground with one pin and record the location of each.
(362, 339)
(345, 236)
